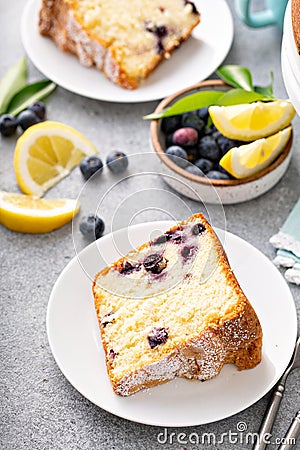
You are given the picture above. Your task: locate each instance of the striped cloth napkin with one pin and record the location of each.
(287, 243)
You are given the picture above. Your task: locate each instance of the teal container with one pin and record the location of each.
(273, 14)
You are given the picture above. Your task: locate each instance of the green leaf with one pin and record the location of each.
(30, 94)
(13, 80)
(267, 90)
(236, 76)
(188, 103)
(239, 96)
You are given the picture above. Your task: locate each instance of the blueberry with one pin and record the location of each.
(155, 263)
(194, 170)
(27, 118)
(157, 336)
(221, 169)
(90, 165)
(210, 130)
(39, 109)
(209, 149)
(186, 114)
(192, 154)
(216, 175)
(188, 251)
(170, 124)
(185, 137)
(198, 229)
(225, 143)
(117, 162)
(169, 140)
(112, 354)
(216, 134)
(205, 165)
(193, 121)
(107, 319)
(8, 125)
(92, 227)
(129, 268)
(202, 113)
(178, 156)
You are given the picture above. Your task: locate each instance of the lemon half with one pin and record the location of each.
(248, 122)
(29, 214)
(46, 153)
(249, 159)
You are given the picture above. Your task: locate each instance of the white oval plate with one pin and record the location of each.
(194, 61)
(74, 339)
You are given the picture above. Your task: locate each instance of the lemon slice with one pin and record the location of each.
(249, 159)
(29, 214)
(46, 153)
(248, 122)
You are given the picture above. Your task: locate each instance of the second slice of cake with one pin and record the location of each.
(173, 307)
(125, 39)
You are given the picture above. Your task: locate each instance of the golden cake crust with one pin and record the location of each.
(60, 20)
(296, 22)
(236, 337)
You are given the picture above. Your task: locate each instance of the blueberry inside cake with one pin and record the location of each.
(124, 39)
(173, 308)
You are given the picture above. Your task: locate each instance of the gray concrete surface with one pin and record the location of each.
(39, 409)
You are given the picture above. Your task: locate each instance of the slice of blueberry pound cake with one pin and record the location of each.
(173, 308)
(124, 39)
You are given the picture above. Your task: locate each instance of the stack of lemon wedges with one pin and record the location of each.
(44, 154)
(266, 124)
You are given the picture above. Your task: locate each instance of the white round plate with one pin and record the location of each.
(194, 61)
(74, 339)
(290, 61)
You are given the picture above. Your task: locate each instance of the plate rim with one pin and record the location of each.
(131, 417)
(148, 97)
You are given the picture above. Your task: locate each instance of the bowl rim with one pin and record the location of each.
(154, 125)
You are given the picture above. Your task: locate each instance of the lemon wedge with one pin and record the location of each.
(249, 159)
(248, 122)
(46, 153)
(29, 214)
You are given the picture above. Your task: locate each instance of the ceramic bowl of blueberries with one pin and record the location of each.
(202, 178)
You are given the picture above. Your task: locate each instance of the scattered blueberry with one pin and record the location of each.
(216, 175)
(157, 336)
(209, 149)
(27, 118)
(205, 165)
(92, 227)
(202, 113)
(178, 156)
(198, 229)
(90, 165)
(155, 263)
(8, 125)
(185, 137)
(193, 121)
(39, 109)
(117, 162)
(194, 170)
(170, 124)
